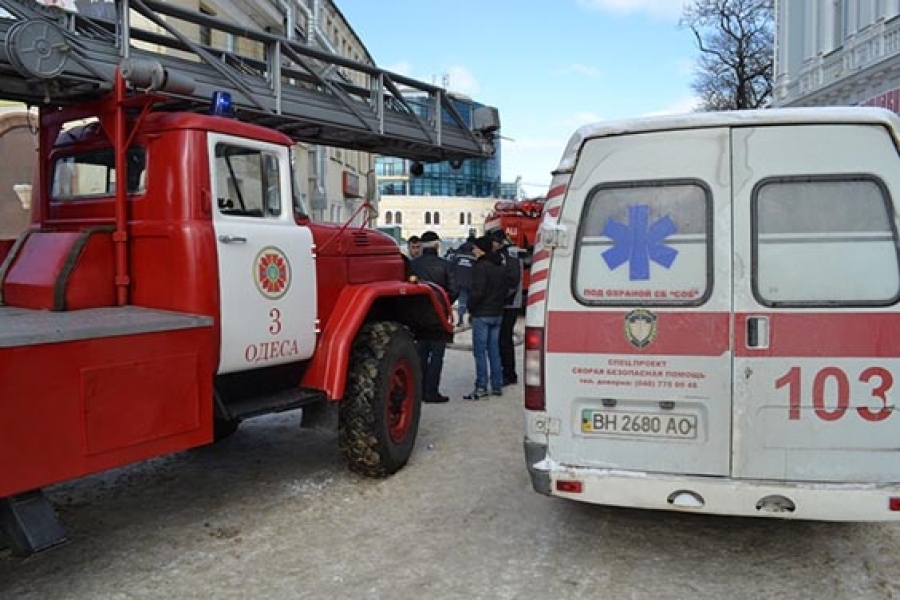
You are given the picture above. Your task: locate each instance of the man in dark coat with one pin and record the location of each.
(513, 268)
(486, 300)
(463, 261)
(429, 266)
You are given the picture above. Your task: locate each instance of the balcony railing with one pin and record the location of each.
(863, 49)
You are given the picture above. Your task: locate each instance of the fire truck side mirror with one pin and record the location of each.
(23, 192)
(372, 195)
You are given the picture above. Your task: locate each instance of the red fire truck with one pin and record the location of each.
(172, 282)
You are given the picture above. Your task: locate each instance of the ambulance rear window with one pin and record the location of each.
(824, 242)
(645, 243)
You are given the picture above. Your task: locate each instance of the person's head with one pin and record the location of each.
(498, 238)
(431, 241)
(483, 245)
(414, 246)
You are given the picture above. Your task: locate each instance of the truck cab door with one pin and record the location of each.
(816, 369)
(267, 276)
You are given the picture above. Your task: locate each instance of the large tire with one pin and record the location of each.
(379, 415)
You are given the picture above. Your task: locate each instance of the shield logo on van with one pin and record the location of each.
(640, 327)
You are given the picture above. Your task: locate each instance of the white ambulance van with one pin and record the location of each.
(713, 320)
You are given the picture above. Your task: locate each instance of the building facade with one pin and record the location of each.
(450, 198)
(837, 52)
(453, 218)
(476, 177)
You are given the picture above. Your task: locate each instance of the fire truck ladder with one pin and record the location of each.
(52, 57)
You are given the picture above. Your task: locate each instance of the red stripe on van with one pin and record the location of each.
(824, 334)
(677, 333)
(798, 335)
(539, 275)
(535, 297)
(558, 190)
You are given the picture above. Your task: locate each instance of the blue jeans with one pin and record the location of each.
(431, 355)
(461, 301)
(486, 347)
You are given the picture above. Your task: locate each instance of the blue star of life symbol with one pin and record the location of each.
(639, 242)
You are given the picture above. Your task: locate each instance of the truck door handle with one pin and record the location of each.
(232, 239)
(757, 332)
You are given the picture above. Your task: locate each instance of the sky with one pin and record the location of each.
(548, 66)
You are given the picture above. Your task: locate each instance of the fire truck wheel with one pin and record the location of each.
(379, 415)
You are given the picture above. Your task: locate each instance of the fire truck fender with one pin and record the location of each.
(422, 307)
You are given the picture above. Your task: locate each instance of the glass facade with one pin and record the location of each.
(475, 177)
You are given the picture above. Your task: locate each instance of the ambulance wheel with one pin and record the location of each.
(379, 415)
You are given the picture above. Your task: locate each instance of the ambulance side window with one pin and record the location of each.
(824, 241)
(645, 243)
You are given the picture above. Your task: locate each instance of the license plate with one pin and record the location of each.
(639, 424)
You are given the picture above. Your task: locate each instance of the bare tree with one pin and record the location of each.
(736, 40)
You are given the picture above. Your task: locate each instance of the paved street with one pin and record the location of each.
(272, 513)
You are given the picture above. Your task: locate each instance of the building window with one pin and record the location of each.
(388, 218)
(468, 218)
(437, 218)
(205, 33)
(398, 217)
(427, 218)
(462, 218)
(840, 22)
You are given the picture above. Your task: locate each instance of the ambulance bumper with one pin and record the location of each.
(534, 456)
(813, 501)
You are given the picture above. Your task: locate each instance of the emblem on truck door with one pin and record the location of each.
(640, 327)
(272, 273)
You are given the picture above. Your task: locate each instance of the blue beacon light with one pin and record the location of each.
(220, 105)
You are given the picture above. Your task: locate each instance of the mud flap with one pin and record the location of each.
(321, 416)
(30, 523)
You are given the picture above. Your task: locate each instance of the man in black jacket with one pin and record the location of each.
(463, 260)
(513, 268)
(431, 267)
(486, 300)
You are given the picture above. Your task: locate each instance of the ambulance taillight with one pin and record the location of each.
(894, 504)
(569, 487)
(534, 368)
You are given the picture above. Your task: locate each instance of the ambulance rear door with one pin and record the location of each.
(817, 334)
(638, 341)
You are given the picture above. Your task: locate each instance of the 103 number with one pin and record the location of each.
(878, 379)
